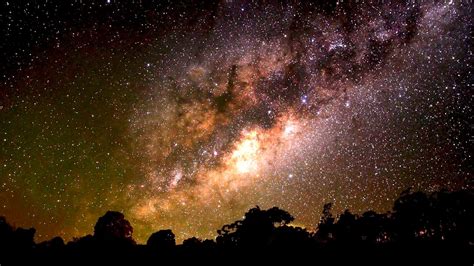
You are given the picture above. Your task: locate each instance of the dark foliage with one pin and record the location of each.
(421, 227)
(162, 240)
(113, 227)
(257, 229)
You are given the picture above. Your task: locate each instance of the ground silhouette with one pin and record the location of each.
(420, 228)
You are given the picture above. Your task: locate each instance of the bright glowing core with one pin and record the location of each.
(245, 153)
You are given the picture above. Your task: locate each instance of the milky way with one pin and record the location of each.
(186, 117)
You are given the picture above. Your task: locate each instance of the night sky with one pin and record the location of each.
(183, 115)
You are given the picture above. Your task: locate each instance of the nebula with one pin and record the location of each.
(232, 109)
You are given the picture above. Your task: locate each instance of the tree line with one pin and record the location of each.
(420, 225)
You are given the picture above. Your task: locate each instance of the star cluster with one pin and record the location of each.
(185, 115)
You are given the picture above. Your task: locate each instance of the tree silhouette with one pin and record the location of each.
(325, 227)
(113, 227)
(289, 237)
(420, 224)
(192, 243)
(455, 216)
(15, 239)
(162, 240)
(255, 229)
(6, 233)
(441, 216)
(411, 216)
(373, 227)
(55, 243)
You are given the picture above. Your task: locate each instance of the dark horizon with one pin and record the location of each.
(419, 222)
(293, 223)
